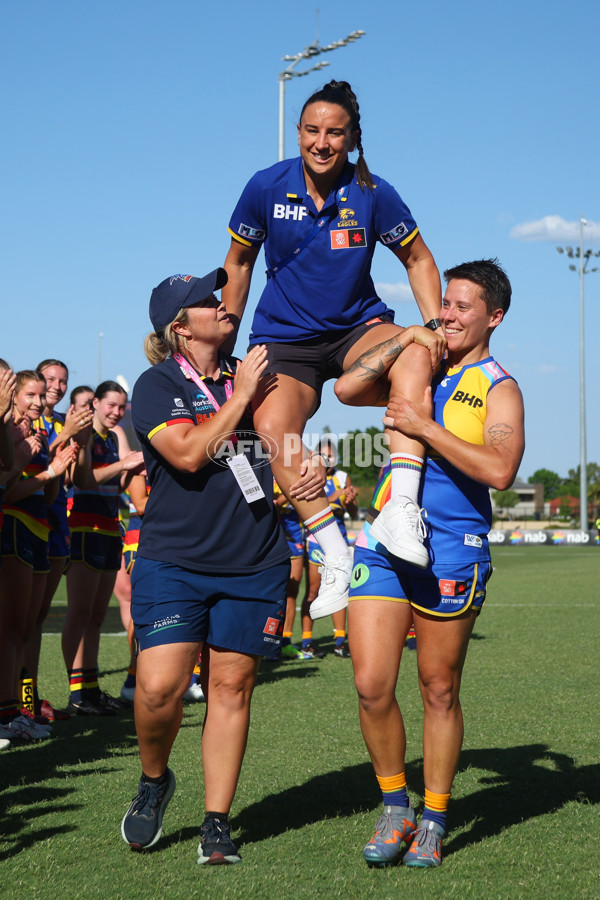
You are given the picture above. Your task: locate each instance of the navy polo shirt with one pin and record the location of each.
(328, 285)
(201, 521)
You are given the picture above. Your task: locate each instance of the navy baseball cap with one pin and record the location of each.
(179, 291)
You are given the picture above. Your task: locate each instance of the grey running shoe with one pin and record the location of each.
(216, 847)
(395, 826)
(142, 823)
(425, 850)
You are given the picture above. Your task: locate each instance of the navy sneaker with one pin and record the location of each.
(142, 823)
(216, 846)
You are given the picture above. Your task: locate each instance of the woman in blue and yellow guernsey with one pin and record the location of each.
(96, 546)
(475, 440)
(212, 565)
(319, 218)
(25, 529)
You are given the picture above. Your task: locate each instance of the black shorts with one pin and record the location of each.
(319, 359)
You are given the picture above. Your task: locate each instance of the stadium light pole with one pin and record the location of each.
(288, 73)
(584, 259)
(100, 336)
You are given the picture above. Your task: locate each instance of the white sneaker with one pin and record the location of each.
(24, 728)
(400, 528)
(195, 693)
(4, 743)
(335, 580)
(127, 693)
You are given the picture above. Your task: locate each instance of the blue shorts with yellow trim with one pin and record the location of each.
(101, 552)
(19, 542)
(442, 590)
(243, 613)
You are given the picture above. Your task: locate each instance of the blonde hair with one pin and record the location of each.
(159, 345)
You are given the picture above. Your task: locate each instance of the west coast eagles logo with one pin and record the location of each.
(347, 217)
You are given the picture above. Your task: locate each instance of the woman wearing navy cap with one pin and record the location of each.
(212, 565)
(319, 218)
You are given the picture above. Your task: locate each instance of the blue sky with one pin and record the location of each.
(130, 129)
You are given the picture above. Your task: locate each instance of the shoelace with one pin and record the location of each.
(215, 831)
(327, 567)
(383, 827)
(148, 797)
(427, 841)
(413, 517)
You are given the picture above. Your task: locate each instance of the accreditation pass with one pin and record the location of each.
(245, 477)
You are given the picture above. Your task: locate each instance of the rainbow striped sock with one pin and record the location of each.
(406, 475)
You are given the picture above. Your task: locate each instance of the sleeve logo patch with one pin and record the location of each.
(254, 234)
(347, 238)
(399, 231)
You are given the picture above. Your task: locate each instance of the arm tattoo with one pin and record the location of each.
(373, 363)
(500, 434)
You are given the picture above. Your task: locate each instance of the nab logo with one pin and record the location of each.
(471, 399)
(287, 211)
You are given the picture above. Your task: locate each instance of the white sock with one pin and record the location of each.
(406, 476)
(328, 535)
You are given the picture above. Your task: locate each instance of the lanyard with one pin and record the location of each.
(191, 374)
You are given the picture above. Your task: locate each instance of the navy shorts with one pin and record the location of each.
(18, 541)
(444, 591)
(317, 360)
(101, 552)
(59, 544)
(244, 613)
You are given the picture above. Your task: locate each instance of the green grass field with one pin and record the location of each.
(523, 821)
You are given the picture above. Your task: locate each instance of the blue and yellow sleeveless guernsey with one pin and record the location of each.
(459, 514)
(326, 286)
(96, 509)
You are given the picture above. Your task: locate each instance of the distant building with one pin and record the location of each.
(531, 501)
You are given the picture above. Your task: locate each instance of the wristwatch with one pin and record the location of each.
(433, 324)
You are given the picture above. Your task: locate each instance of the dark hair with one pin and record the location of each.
(106, 387)
(491, 278)
(80, 389)
(46, 363)
(340, 93)
(4, 366)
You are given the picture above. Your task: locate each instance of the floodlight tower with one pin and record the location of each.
(584, 259)
(288, 73)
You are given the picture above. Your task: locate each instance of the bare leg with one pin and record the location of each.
(376, 632)
(163, 675)
(16, 581)
(122, 591)
(231, 678)
(441, 651)
(34, 644)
